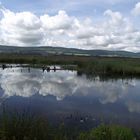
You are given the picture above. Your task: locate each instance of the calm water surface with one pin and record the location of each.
(62, 96)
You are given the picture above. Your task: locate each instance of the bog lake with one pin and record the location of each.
(65, 96)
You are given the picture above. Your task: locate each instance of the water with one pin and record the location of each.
(62, 96)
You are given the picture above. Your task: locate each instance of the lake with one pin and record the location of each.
(65, 96)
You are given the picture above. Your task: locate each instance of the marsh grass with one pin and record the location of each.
(22, 126)
(107, 132)
(25, 126)
(110, 66)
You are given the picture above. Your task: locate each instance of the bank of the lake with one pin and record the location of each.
(109, 66)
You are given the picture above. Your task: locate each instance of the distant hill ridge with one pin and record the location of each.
(45, 50)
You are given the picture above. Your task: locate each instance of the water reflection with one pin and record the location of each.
(25, 82)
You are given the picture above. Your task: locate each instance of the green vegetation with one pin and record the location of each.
(25, 126)
(107, 132)
(102, 66)
(111, 67)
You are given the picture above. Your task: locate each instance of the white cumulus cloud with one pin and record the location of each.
(115, 32)
(136, 10)
(20, 28)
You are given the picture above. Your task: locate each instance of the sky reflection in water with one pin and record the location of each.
(64, 92)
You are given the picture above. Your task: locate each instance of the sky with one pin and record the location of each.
(87, 24)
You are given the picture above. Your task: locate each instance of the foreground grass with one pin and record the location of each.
(107, 132)
(25, 126)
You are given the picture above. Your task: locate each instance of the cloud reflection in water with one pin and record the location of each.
(17, 82)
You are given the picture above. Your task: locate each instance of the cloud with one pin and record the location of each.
(57, 22)
(20, 28)
(136, 10)
(114, 32)
(116, 18)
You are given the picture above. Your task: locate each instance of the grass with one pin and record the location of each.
(102, 66)
(107, 132)
(26, 126)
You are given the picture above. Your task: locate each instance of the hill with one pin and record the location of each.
(47, 50)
